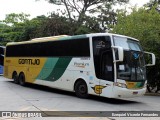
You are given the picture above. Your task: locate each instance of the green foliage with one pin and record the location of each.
(143, 24)
(14, 19)
(54, 25)
(77, 18)
(12, 27)
(152, 3)
(4, 30)
(31, 28)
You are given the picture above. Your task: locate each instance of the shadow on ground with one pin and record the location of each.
(91, 97)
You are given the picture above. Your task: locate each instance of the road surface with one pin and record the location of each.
(14, 97)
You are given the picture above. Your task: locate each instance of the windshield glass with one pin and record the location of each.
(133, 66)
(127, 43)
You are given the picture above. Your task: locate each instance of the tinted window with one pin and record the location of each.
(2, 55)
(75, 48)
(103, 58)
(2, 50)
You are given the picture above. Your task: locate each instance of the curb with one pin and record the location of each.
(152, 94)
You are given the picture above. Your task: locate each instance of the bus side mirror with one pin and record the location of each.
(119, 53)
(151, 58)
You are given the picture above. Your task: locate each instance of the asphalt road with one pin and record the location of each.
(14, 97)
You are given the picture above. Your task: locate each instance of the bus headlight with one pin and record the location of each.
(120, 85)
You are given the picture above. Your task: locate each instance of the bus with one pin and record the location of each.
(2, 48)
(102, 64)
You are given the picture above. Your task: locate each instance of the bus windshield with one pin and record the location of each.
(133, 66)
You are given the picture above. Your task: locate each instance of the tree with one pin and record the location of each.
(79, 10)
(143, 24)
(14, 18)
(14, 24)
(32, 27)
(17, 27)
(3, 30)
(53, 25)
(152, 3)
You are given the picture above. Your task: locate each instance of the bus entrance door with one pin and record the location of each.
(107, 74)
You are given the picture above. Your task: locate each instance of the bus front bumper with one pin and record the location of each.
(119, 92)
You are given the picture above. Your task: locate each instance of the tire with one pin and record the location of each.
(21, 79)
(15, 78)
(81, 89)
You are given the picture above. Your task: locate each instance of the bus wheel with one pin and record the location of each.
(21, 79)
(81, 89)
(15, 77)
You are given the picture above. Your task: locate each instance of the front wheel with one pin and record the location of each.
(21, 79)
(81, 89)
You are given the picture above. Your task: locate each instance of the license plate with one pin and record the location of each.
(135, 93)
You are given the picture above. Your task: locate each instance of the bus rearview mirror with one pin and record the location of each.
(150, 58)
(120, 53)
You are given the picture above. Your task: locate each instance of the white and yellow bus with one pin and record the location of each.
(101, 64)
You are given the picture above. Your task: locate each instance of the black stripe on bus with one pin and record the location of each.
(61, 48)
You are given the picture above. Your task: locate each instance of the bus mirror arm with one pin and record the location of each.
(153, 59)
(120, 53)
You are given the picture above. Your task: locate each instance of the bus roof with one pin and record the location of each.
(66, 37)
(2, 47)
(110, 34)
(49, 38)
